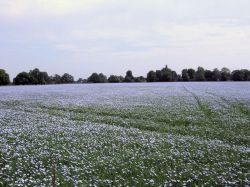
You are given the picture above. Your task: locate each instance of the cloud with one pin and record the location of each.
(118, 33)
(17, 8)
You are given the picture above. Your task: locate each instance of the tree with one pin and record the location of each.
(67, 79)
(174, 76)
(140, 79)
(94, 78)
(56, 79)
(158, 75)
(121, 78)
(103, 78)
(129, 76)
(4, 77)
(246, 75)
(216, 75)
(163, 75)
(38, 77)
(151, 76)
(114, 79)
(200, 74)
(97, 78)
(225, 74)
(184, 75)
(166, 74)
(238, 75)
(34, 75)
(44, 78)
(208, 75)
(179, 78)
(81, 81)
(191, 74)
(22, 78)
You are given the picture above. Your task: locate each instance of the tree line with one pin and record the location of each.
(37, 77)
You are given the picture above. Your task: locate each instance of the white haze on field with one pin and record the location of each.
(110, 36)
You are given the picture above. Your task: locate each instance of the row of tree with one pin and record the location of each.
(100, 78)
(36, 77)
(167, 75)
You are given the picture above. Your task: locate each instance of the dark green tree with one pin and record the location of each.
(103, 78)
(174, 76)
(38, 77)
(179, 78)
(151, 76)
(166, 74)
(34, 75)
(158, 75)
(4, 77)
(56, 79)
(208, 75)
(22, 78)
(80, 81)
(114, 79)
(216, 75)
(225, 74)
(121, 78)
(140, 79)
(97, 78)
(184, 75)
(94, 78)
(191, 74)
(67, 79)
(238, 75)
(246, 74)
(200, 74)
(129, 76)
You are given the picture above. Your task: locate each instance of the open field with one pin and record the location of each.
(125, 134)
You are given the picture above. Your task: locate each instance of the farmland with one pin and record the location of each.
(148, 134)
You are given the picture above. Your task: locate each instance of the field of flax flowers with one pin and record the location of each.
(159, 134)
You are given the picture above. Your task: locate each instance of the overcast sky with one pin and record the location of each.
(112, 36)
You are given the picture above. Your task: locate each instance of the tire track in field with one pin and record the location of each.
(203, 107)
(240, 107)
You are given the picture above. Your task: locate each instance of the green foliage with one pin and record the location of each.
(225, 74)
(208, 75)
(67, 79)
(81, 81)
(22, 78)
(151, 76)
(56, 79)
(247, 75)
(38, 77)
(163, 75)
(115, 79)
(4, 78)
(97, 78)
(191, 74)
(33, 77)
(184, 75)
(241, 75)
(129, 77)
(140, 79)
(179, 78)
(216, 75)
(200, 74)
